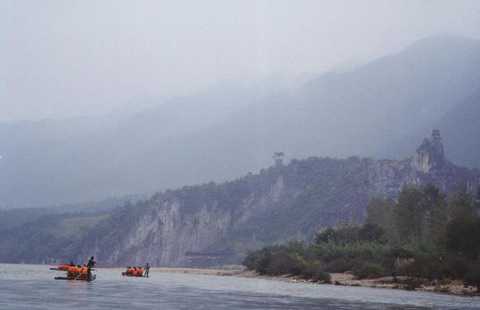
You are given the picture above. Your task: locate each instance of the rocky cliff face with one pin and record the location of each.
(218, 223)
(430, 154)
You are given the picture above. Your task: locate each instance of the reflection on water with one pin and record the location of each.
(33, 287)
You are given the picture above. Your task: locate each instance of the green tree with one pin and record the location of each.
(463, 237)
(380, 212)
(472, 277)
(408, 215)
(371, 232)
(434, 210)
(463, 229)
(328, 235)
(461, 205)
(342, 235)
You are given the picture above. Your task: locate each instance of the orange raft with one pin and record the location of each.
(80, 273)
(134, 272)
(62, 267)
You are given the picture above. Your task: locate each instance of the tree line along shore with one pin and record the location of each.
(423, 240)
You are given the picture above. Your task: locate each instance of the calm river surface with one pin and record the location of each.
(33, 287)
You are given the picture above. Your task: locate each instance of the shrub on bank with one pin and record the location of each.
(341, 264)
(275, 260)
(258, 260)
(283, 263)
(427, 266)
(314, 272)
(321, 276)
(368, 270)
(455, 267)
(473, 276)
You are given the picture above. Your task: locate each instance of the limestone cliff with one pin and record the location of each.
(430, 154)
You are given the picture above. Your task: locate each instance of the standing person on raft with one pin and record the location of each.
(147, 270)
(91, 262)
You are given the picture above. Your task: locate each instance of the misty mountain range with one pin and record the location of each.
(380, 109)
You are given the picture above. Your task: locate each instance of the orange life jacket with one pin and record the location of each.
(73, 269)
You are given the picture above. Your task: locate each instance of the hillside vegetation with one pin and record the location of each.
(422, 235)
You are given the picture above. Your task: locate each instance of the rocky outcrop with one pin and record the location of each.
(430, 154)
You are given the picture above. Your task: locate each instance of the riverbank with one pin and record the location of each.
(202, 271)
(453, 287)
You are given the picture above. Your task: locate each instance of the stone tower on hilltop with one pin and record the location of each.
(278, 158)
(430, 154)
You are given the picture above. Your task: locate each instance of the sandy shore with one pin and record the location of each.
(346, 279)
(448, 287)
(203, 271)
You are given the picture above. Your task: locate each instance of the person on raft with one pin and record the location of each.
(147, 270)
(89, 273)
(91, 262)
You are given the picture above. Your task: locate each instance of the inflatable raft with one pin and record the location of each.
(75, 273)
(63, 267)
(134, 272)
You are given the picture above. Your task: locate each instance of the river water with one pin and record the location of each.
(33, 287)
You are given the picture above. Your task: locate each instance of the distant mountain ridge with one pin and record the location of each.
(215, 224)
(380, 109)
(462, 131)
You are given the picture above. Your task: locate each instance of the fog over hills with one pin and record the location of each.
(462, 130)
(380, 109)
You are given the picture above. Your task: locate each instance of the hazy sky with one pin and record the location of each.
(65, 58)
